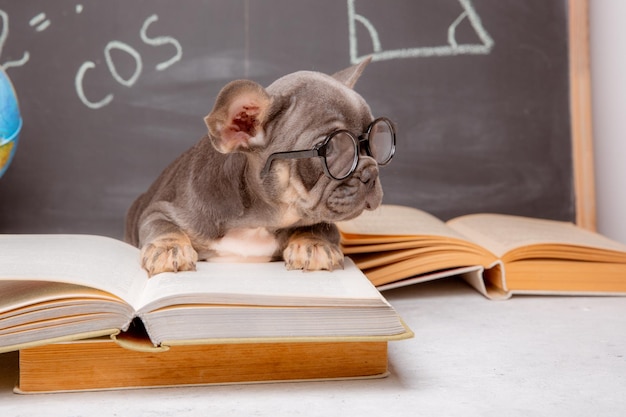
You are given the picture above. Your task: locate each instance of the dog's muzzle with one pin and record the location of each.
(360, 192)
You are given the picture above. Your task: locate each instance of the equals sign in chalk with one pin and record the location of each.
(40, 21)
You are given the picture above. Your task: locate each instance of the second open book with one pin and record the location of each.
(498, 254)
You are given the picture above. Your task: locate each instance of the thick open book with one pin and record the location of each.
(498, 254)
(68, 287)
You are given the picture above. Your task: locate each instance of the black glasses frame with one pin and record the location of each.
(319, 150)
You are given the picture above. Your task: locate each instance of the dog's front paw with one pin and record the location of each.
(168, 254)
(311, 253)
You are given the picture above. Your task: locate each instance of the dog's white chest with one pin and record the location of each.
(252, 245)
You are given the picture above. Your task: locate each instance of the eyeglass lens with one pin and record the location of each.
(342, 150)
(381, 141)
(341, 154)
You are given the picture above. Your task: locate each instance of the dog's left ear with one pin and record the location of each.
(350, 75)
(236, 121)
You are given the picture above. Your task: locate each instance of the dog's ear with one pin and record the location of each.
(236, 121)
(350, 75)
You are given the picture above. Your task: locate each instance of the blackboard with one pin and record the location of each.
(112, 91)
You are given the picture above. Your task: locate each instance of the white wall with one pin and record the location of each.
(608, 83)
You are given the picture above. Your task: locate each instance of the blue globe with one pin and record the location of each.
(10, 122)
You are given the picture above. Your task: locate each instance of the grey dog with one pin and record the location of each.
(278, 167)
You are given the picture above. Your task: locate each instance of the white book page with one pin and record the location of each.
(93, 261)
(261, 284)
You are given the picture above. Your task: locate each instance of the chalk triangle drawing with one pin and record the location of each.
(452, 48)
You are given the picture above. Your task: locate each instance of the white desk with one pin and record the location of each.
(528, 356)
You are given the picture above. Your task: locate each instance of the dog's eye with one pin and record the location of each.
(341, 154)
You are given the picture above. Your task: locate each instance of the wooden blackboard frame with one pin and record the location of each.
(581, 116)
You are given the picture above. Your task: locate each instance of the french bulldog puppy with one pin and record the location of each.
(241, 193)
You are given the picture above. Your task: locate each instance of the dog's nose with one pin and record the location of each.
(368, 175)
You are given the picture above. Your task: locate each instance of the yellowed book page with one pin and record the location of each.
(423, 253)
(501, 233)
(409, 267)
(392, 220)
(18, 294)
(372, 260)
(35, 312)
(431, 243)
(92, 261)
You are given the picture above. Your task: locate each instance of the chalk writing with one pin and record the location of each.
(40, 22)
(124, 47)
(452, 48)
(4, 34)
(160, 41)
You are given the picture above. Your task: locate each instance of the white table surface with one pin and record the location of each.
(528, 356)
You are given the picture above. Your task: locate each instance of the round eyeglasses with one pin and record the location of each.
(340, 150)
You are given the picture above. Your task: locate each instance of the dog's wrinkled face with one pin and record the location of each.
(309, 107)
(295, 113)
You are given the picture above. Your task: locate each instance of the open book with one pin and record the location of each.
(498, 254)
(68, 287)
